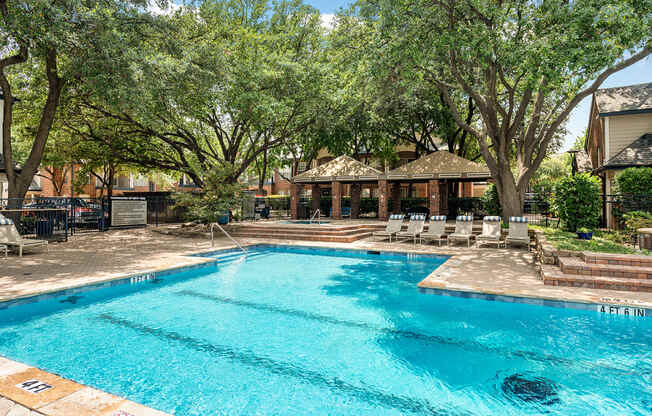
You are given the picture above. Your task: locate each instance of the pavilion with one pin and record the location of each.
(339, 171)
(436, 169)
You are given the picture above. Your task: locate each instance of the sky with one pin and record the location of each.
(638, 73)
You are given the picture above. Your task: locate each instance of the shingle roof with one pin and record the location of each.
(582, 161)
(441, 164)
(343, 168)
(639, 153)
(629, 99)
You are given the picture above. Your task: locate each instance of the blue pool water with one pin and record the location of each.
(296, 331)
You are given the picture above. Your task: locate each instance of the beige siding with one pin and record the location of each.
(623, 130)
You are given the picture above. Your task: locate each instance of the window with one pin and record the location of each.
(141, 180)
(122, 181)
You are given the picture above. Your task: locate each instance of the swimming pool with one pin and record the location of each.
(305, 331)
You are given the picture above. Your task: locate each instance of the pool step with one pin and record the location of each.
(577, 266)
(553, 276)
(326, 233)
(347, 238)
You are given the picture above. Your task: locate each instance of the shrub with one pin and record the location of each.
(218, 198)
(577, 201)
(635, 181)
(490, 201)
(635, 220)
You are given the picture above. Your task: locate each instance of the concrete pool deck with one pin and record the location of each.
(97, 257)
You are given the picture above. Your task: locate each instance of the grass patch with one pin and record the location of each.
(601, 242)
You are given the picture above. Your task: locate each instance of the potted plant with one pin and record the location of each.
(584, 233)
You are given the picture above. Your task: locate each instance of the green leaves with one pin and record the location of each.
(635, 181)
(577, 201)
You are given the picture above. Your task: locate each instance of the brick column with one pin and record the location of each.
(316, 198)
(443, 197)
(336, 191)
(356, 191)
(396, 198)
(467, 189)
(434, 199)
(295, 193)
(383, 200)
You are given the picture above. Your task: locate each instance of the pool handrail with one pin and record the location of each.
(318, 215)
(213, 225)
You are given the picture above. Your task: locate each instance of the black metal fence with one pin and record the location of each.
(40, 221)
(619, 204)
(56, 218)
(537, 208)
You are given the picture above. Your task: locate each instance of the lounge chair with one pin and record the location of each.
(415, 228)
(9, 236)
(436, 229)
(463, 229)
(491, 232)
(393, 226)
(518, 232)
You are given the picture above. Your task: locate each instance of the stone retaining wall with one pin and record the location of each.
(546, 253)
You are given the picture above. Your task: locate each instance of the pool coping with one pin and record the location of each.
(62, 397)
(72, 395)
(430, 284)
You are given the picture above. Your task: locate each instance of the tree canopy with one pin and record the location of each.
(525, 65)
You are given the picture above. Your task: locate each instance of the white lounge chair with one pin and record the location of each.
(415, 228)
(463, 229)
(9, 236)
(393, 226)
(491, 232)
(518, 231)
(436, 229)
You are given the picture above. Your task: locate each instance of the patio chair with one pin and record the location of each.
(491, 232)
(518, 231)
(393, 226)
(463, 229)
(9, 236)
(415, 228)
(436, 229)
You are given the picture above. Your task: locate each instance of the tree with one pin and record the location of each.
(222, 84)
(526, 65)
(48, 47)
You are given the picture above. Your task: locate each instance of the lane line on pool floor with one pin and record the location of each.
(246, 357)
(468, 345)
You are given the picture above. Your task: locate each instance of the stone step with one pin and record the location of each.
(304, 237)
(553, 276)
(316, 229)
(622, 259)
(274, 232)
(576, 266)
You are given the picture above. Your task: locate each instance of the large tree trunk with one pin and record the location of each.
(19, 182)
(262, 174)
(109, 185)
(510, 196)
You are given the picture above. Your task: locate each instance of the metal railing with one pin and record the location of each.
(213, 225)
(318, 215)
